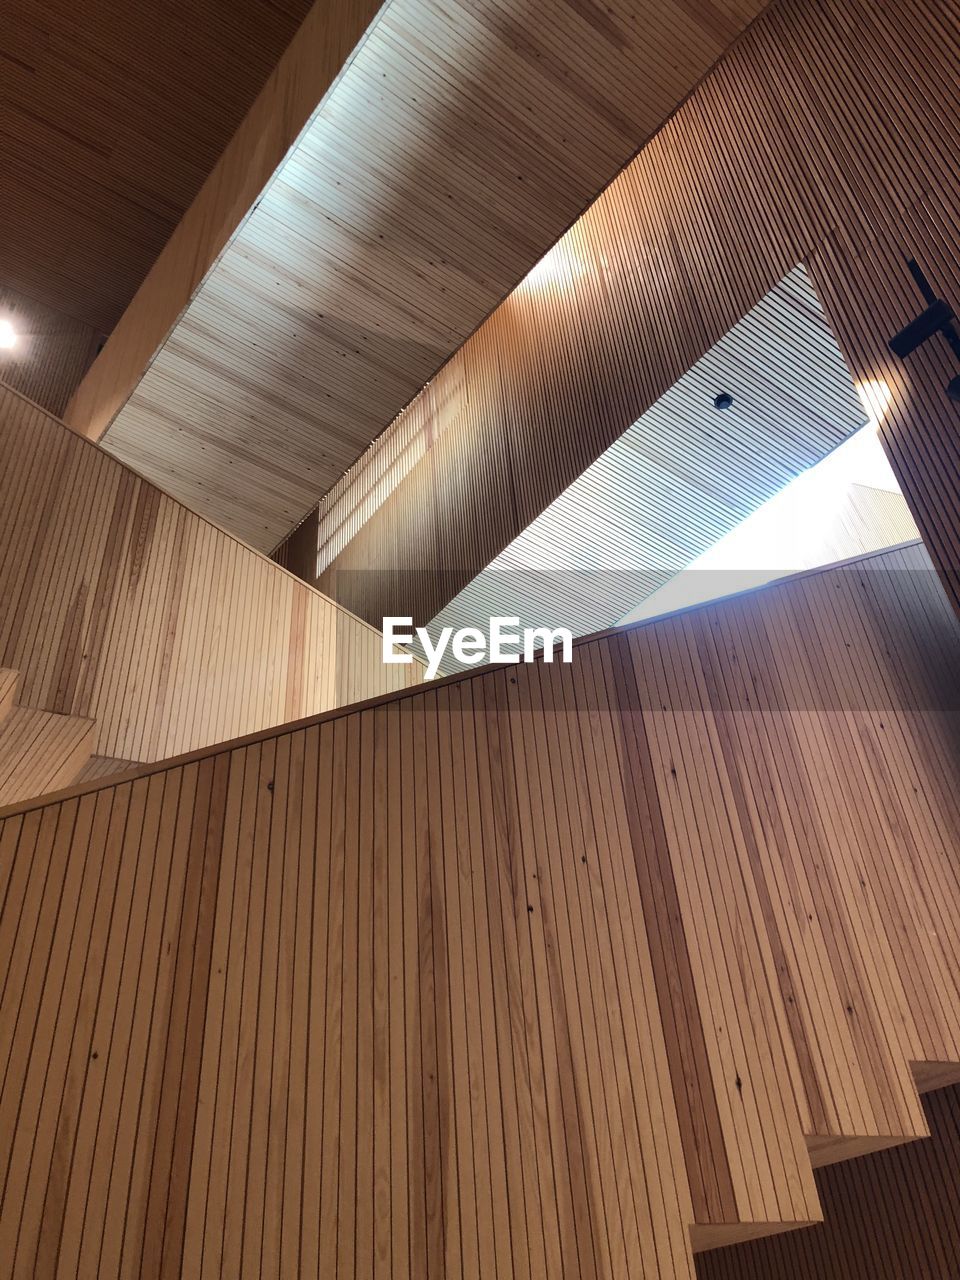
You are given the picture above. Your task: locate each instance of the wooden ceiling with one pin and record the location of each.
(681, 476)
(112, 112)
(460, 142)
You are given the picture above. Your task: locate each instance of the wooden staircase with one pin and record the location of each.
(40, 751)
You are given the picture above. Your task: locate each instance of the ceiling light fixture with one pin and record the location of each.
(723, 401)
(8, 335)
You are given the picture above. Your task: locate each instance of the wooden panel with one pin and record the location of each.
(461, 140)
(523, 973)
(103, 767)
(112, 116)
(41, 751)
(118, 604)
(894, 1215)
(919, 424)
(297, 83)
(679, 479)
(52, 352)
(825, 134)
(9, 683)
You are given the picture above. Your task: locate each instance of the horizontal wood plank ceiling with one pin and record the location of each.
(459, 143)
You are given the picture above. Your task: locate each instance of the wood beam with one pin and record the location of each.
(305, 72)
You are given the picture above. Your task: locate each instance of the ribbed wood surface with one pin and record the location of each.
(828, 133)
(920, 428)
(521, 974)
(41, 751)
(52, 353)
(893, 1215)
(298, 82)
(460, 141)
(119, 605)
(111, 117)
(677, 480)
(103, 767)
(9, 683)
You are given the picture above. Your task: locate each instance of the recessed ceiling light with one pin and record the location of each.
(8, 336)
(723, 401)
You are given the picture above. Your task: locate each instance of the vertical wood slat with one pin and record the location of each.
(40, 751)
(119, 606)
(790, 150)
(401, 991)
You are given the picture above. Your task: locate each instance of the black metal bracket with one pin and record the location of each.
(937, 317)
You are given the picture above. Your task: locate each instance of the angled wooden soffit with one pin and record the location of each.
(299, 81)
(786, 153)
(454, 149)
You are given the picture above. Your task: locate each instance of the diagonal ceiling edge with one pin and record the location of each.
(459, 143)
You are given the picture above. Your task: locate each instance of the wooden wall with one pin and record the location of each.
(461, 140)
(827, 134)
(120, 605)
(52, 353)
(297, 83)
(519, 974)
(893, 1215)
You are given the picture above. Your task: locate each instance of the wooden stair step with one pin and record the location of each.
(41, 751)
(9, 683)
(99, 767)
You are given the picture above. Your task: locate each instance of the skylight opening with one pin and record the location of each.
(847, 504)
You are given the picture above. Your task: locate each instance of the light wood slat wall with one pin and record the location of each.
(40, 752)
(112, 116)
(893, 1215)
(461, 140)
(518, 974)
(920, 428)
(120, 605)
(103, 767)
(52, 353)
(828, 133)
(304, 73)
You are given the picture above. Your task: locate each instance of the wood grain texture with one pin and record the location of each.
(290, 95)
(52, 353)
(524, 973)
(112, 116)
(41, 751)
(681, 478)
(119, 605)
(98, 767)
(894, 1215)
(460, 141)
(827, 134)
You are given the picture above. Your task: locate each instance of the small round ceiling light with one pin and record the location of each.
(8, 335)
(723, 401)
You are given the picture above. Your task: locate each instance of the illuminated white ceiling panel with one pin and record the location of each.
(687, 473)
